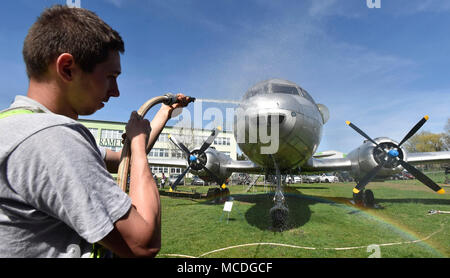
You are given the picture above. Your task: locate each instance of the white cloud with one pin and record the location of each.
(117, 3)
(412, 7)
(356, 82)
(349, 9)
(432, 6)
(391, 114)
(322, 7)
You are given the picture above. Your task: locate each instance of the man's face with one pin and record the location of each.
(95, 88)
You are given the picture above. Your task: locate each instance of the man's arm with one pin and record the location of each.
(138, 233)
(112, 160)
(158, 123)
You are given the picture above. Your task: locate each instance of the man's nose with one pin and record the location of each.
(114, 91)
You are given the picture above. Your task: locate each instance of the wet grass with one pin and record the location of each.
(321, 220)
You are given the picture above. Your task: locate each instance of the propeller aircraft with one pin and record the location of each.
(295, 122)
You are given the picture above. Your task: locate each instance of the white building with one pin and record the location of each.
(109, 135)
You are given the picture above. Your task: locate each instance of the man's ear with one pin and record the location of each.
(65, 67)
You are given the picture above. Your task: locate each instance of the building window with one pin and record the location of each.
(163, 137)
(159, 153)
(177, 154)
(111, 133)
(94, 132)
(223, 141)
(159, 170)
(175, 170)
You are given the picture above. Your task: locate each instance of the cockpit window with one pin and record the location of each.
(307, 96)
(277, 88)
(257, 91)
(281, 89)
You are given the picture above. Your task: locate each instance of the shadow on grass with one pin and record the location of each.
(293, 187)
(299, 207)
(258, 215)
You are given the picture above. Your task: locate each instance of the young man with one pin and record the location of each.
(57, 197)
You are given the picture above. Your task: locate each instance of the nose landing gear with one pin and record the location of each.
(364, 198)
(279, 212)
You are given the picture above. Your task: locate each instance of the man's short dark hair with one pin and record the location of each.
(60, 29)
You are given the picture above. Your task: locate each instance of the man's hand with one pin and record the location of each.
(183, 101)
(137, 129)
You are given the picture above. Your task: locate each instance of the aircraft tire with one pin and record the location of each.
(358, 198)
(369, 198)
(279, 214)
(225, 193)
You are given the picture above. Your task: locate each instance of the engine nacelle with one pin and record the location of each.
(368, 156)
(214, 160)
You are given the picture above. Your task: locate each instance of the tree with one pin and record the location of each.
(447, 135)
(427, 142)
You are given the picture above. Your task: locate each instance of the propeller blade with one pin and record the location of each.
(210, 139)
(180, 145)
(362, 133)
(367, 178)
(421, 177)
(414, 129)
(180, 177)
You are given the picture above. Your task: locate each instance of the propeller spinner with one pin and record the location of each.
(390, 155)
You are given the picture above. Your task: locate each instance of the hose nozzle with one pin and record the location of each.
(172, 99)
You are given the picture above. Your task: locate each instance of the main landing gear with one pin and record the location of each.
(364, 198)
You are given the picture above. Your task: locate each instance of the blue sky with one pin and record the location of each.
(382, 69)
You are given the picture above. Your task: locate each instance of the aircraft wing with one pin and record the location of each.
(428, 157)
(168, 162)
(313, 164)
(326, 165)
(324, 154)
(345, 164)
(241, 166)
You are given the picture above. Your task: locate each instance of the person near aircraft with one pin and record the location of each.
(57, 196)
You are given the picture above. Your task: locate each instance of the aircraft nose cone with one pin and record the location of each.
(192, 158)
(393, 153)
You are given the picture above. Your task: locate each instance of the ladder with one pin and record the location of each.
(252, 183)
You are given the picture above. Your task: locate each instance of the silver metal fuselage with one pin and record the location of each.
(299, 133)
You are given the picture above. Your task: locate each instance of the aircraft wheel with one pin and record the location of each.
(279, 214)
(225, 193)
(213, 193)
(358, 198)
(369, 198)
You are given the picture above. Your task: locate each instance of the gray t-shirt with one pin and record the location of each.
(56, 196)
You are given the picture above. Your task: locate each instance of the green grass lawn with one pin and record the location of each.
(321, 219)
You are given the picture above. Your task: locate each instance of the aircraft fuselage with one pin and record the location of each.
(283, 105)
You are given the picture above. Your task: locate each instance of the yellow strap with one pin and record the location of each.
(15, 112)
(97, 251)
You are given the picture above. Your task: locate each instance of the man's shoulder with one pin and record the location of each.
(27, 124)
(21, 127)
